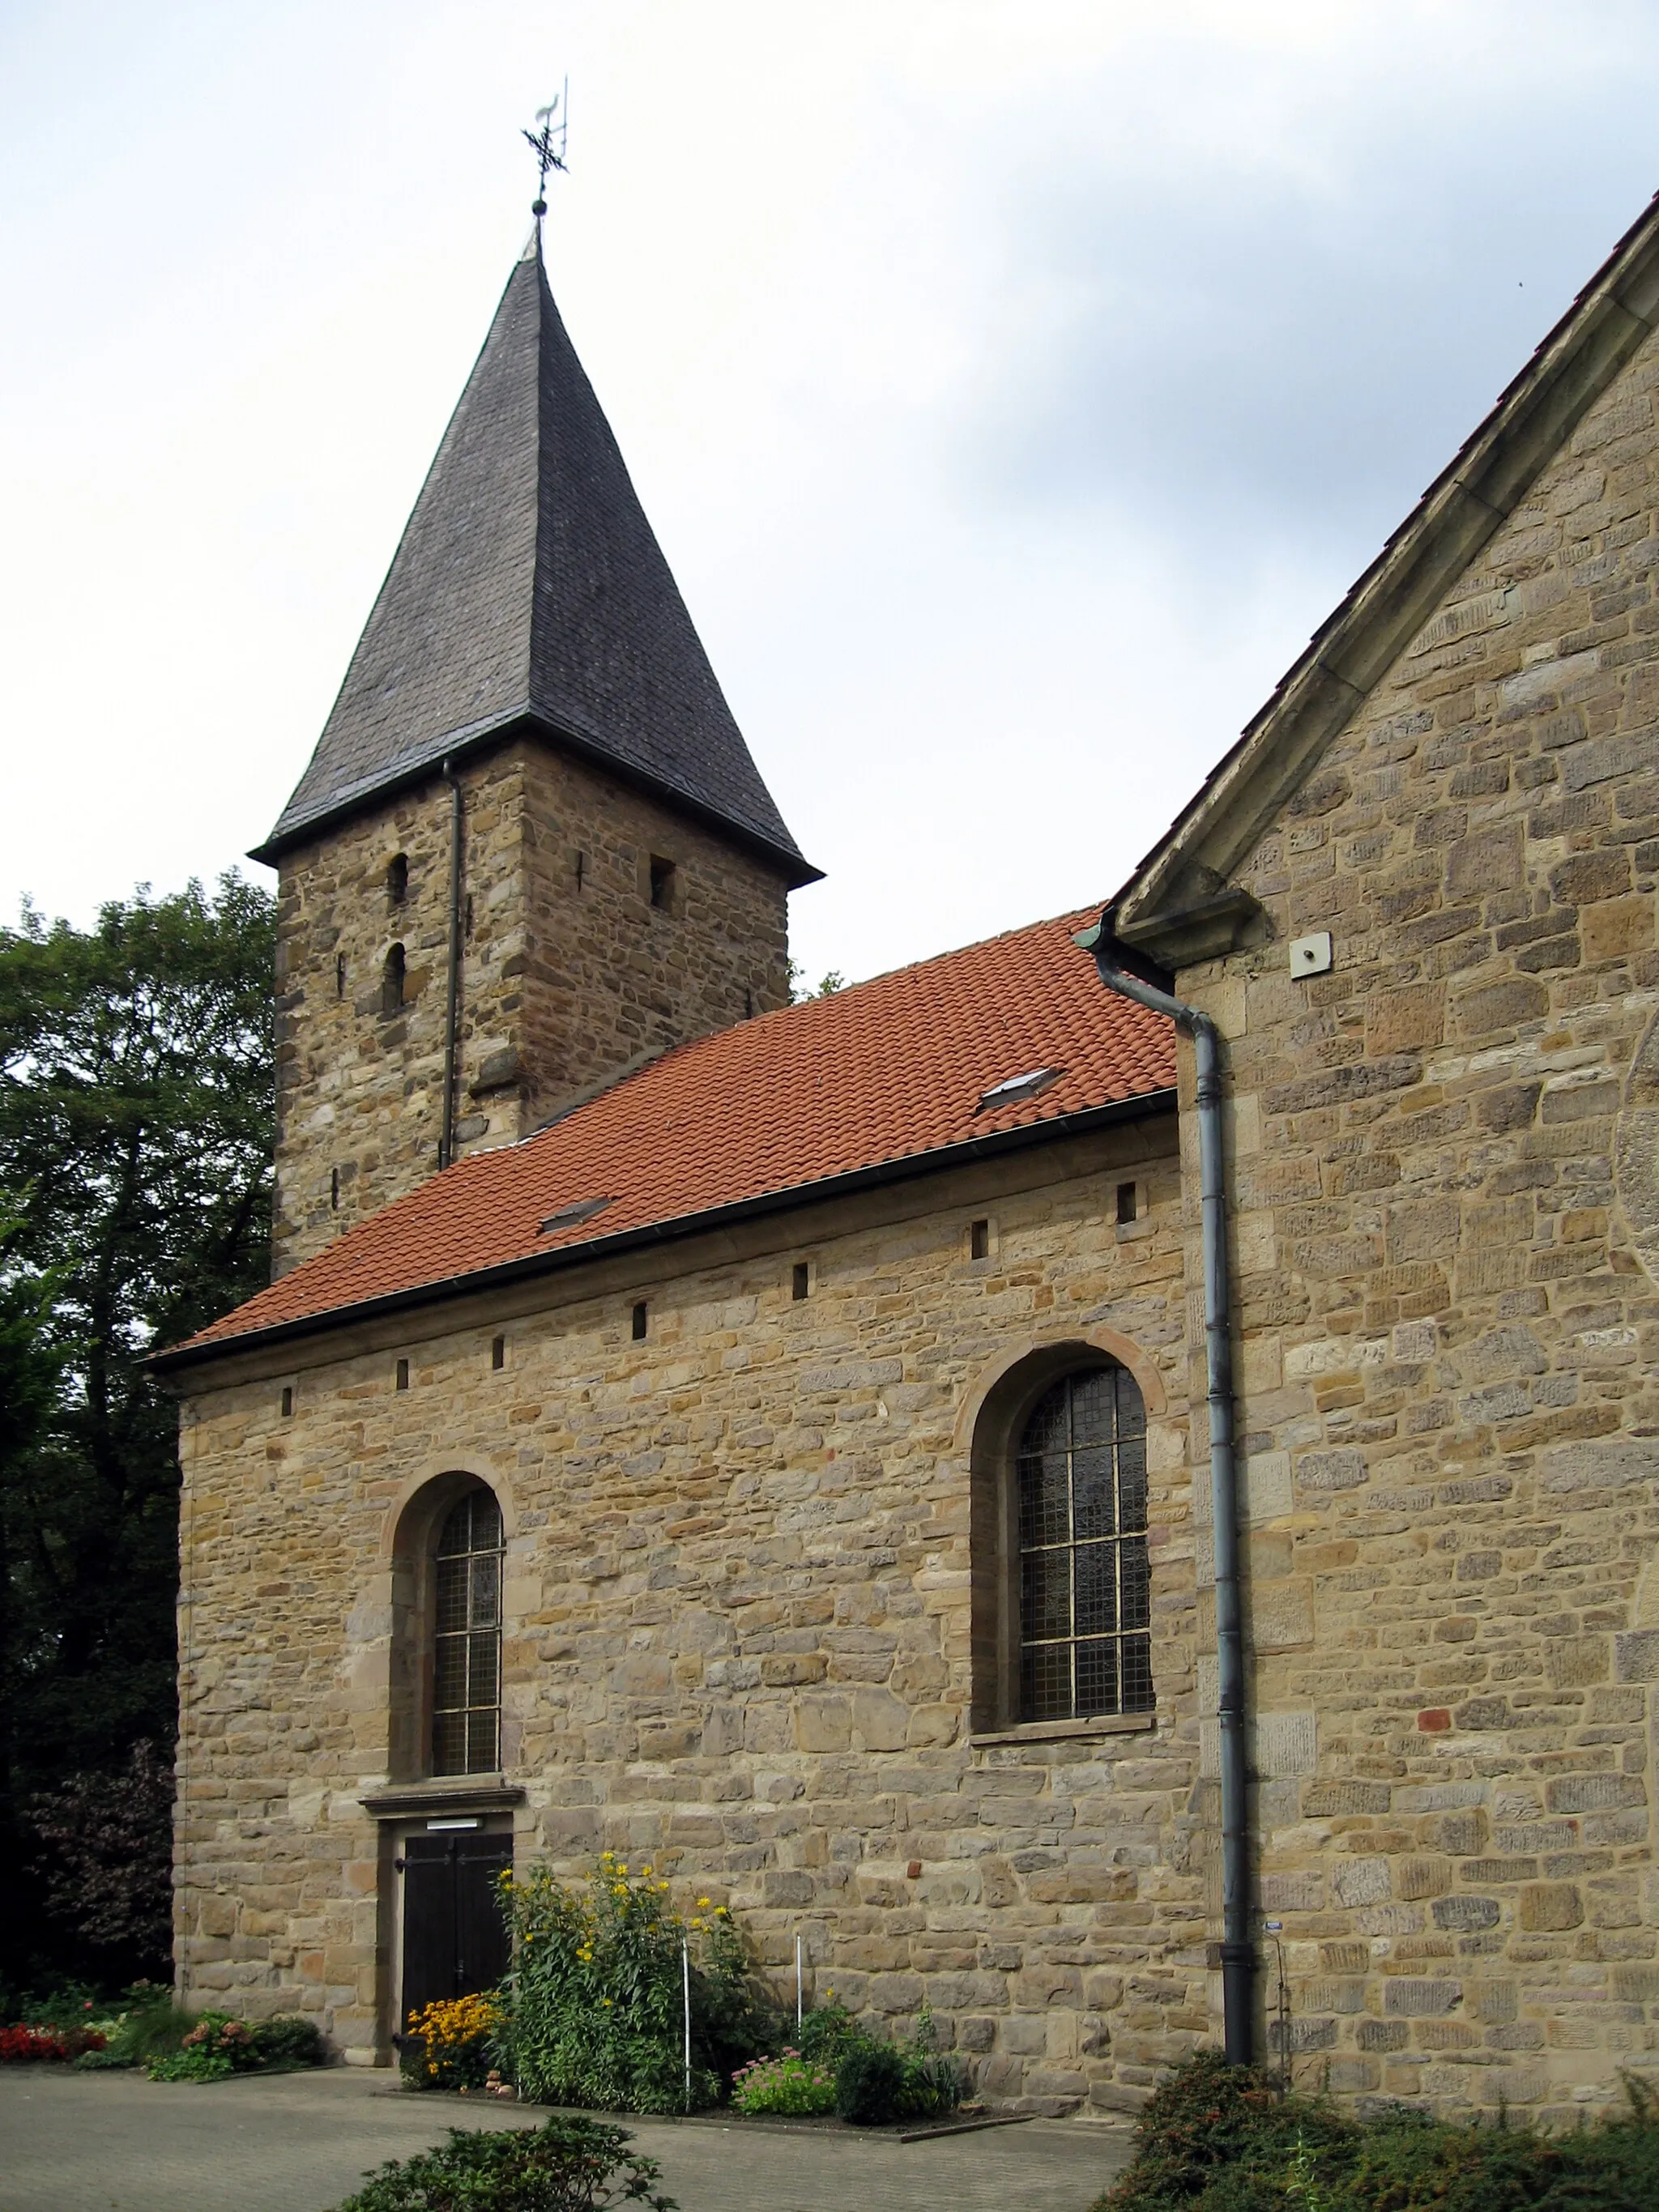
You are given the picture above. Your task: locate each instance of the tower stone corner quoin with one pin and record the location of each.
(815, 1412)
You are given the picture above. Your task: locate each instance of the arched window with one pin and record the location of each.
(1084, 1586)
(466, 1643)
(391, 981)
(396, 879)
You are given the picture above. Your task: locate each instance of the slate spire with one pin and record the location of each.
(529, 591)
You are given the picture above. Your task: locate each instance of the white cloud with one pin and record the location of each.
(1014, 384)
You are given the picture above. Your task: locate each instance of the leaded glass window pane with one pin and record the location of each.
(1084, 1578)
(466, 1658)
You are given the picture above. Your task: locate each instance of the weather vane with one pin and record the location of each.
(547, 144)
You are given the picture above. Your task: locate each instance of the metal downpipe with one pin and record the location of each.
(1237, 1947)
(452, 1013)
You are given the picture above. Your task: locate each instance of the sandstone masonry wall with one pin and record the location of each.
(1446, 1206)
(569, 973)
(738, 1599)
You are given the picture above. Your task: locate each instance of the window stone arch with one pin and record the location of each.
(448, 1585)
(1061, 1590)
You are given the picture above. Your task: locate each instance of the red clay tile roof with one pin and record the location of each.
(887, 1071)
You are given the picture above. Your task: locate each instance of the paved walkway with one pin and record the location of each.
(299, 2142)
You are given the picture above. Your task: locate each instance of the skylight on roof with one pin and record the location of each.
(1017, 1088)
(579, 1209)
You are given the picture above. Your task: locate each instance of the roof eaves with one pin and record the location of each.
(419, 766)
(1458, 514)
(906, 1166)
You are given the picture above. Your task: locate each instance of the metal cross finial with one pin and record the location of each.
(548, 146)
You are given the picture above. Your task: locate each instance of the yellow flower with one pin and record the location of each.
(702, 1905)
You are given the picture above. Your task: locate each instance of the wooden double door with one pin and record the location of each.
(455, 1938)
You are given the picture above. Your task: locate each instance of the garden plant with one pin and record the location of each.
(452, 2044)
(595, 1998)
(1220, 2138)
(567, 2165)
(218, 2045)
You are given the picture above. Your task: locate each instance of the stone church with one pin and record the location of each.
(774, 1438)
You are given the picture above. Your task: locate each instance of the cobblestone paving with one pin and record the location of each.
(299, 2142)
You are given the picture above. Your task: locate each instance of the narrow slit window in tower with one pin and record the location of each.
(1125, 1203)
(662, 882)
(641, 1318)
(396, 879)
(801, 1283)
(391, 982)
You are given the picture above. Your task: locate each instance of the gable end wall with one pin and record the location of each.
(1442, 1189)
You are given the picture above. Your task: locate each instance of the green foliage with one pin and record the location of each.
(1215, 2138)
(151, 2026)
(595, 1995)
(450, 2043)
(878, 2083)
(789, 2084)
(215, 2045)
(567, 2165)
(801, 990)
(827, 2030)
(870, 2083)
(286, 2041)
(136, 1112)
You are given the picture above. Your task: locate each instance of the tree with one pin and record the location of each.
(136, 1112)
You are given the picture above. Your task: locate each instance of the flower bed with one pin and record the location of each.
(29, 2046)
(789, 2084)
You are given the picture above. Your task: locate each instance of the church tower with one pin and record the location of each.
(531, 849)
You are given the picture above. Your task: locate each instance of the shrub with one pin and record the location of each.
(569, 2165)
(595, 1995)
(878, 2083)
(216, 2047)
(870, 2083)
(452, 2044)
(286, 2042)
(152, 2025)
(107, 1866)
(1215, 2138)
(826, 2031)
(791, 2083)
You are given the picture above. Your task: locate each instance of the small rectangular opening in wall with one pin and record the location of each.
(396, 879)
(339, 976)
(662, 882)
(403, 1375)
(979, 1240)
(801, 1282)
(498, 1352)
(334, 1191)
(641, 1318)
(288, 1402)
(1125, 1203)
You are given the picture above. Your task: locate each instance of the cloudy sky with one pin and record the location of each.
(1013, 384)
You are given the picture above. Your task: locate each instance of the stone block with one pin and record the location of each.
(1360, 1881)
(1407, 1997)
(1546, 1905)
